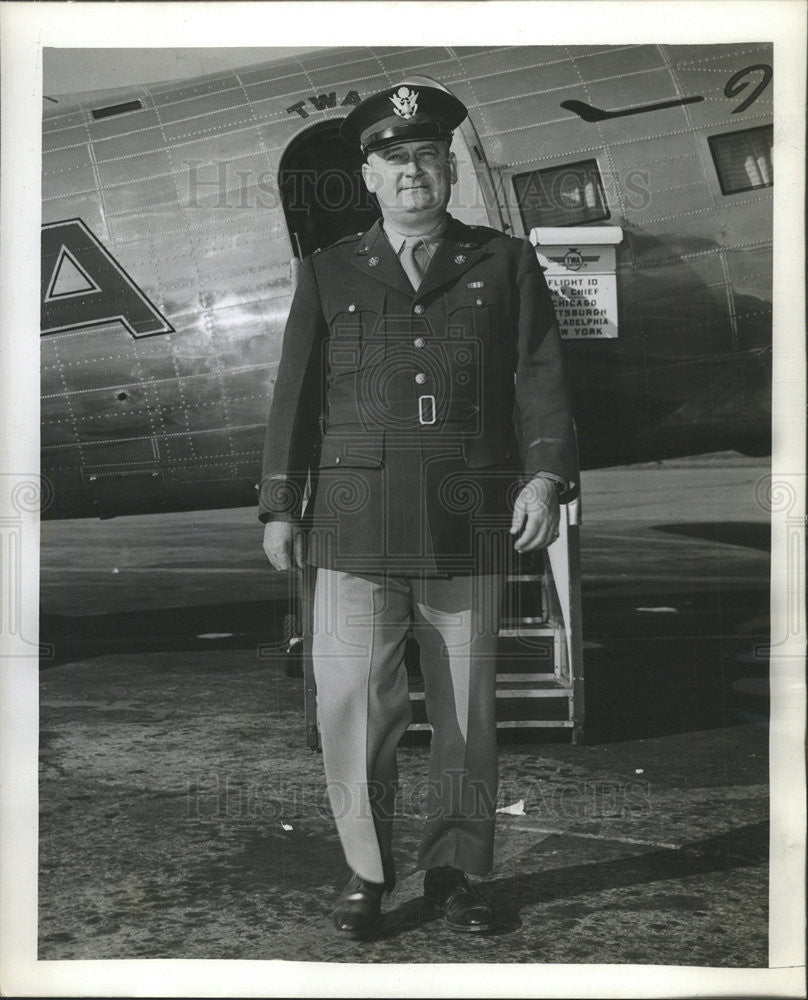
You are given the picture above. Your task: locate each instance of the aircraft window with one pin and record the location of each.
(117, 109)
(743, 160)
(569, 195)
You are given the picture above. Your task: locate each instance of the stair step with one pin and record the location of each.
(505, 678)
(549, 688)
(526, 630)
(511, 724)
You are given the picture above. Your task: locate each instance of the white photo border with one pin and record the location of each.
(25, 28)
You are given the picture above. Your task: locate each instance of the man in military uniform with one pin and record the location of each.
(421, 387)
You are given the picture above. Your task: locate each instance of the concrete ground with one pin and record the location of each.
(183, 817)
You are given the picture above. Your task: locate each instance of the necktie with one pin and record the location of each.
(413, 259)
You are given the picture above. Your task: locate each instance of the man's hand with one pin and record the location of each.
(284, 540)
(536, 515)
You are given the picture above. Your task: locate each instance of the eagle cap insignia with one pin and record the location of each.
(405, 102)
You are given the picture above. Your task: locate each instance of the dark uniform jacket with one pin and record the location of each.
(419, 414)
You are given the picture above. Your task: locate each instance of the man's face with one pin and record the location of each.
(412, 180)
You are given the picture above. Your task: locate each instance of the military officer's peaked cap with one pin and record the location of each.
(403, 113)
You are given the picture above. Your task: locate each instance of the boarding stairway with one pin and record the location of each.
(540, 683)
(540, 680)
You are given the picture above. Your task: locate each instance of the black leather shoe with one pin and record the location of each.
(464, 909)
(359, 907)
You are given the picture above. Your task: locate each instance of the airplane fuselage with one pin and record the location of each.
(173, 217)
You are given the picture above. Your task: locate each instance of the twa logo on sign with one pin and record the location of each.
(83, 285)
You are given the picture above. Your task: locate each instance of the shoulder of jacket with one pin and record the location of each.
(350, 238)
(485, 234)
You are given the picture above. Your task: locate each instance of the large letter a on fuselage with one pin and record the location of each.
(83, 285)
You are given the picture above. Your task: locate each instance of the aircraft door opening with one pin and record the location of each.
(324, 196)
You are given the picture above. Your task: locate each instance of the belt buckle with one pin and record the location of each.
(426, 403)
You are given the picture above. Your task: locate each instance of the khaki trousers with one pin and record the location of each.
(359, 635)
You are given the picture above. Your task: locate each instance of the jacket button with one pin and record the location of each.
(420, 378)
(337, 460)
(479, 302)
(418, 309)
(419, 342)
(352, 308)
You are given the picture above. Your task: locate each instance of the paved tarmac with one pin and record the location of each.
(183, 817)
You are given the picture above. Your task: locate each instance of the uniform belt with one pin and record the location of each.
(429, 411)
(439, 426)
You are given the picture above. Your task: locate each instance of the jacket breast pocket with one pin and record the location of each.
(469, 315)
(357, 331)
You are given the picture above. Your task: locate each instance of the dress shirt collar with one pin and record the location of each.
(431, 239)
